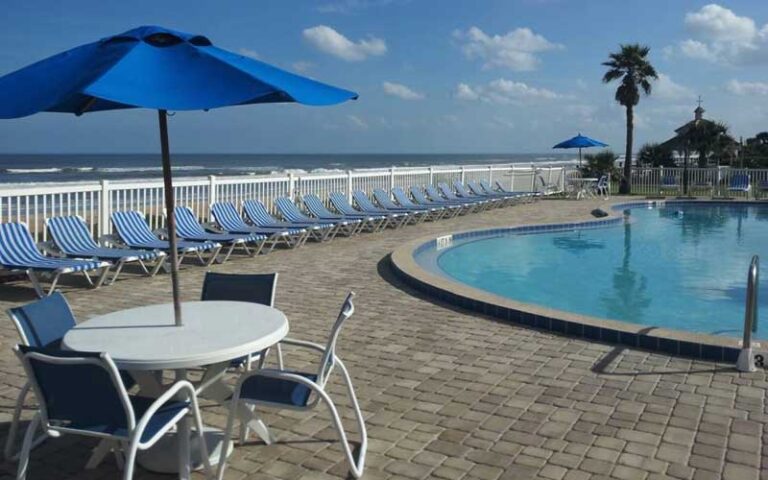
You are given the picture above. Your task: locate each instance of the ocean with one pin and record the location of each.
(25, 169)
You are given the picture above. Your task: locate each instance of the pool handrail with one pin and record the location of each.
(745, 362)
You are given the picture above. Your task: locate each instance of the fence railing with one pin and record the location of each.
(95, 201)
(698, 181)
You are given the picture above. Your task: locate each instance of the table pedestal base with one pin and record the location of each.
(163, 457)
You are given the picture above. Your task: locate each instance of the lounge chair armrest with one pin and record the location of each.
(212, 227)
(161, 232)
(49, 248)
(110, 240)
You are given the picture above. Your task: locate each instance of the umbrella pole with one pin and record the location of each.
(579, 156)
(170, 202)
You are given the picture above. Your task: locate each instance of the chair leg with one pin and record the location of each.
(227, 443)
(101, 451)
(119, 268)
(158, 265)
(12, 431)
(130, 458)
(21, 472)
(201, 437)
(32, 276)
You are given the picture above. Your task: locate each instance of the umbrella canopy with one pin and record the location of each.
(158, 68)
(580, 141)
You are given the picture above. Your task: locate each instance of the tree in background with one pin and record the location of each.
(655, 155)
(755, 151)
(601, 163)
(710, 140)
(631, 65)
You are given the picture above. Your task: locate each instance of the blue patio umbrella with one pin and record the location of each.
(157, 68)
(580, 141)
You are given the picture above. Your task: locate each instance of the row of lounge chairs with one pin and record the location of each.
(72, 248)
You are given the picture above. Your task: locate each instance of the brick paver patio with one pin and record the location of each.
(448, 393)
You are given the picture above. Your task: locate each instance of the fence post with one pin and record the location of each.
(291, 186)
(212, 190)
(391, 178)
(104, 208)
(349, 186)
(490, 174)
(533, 178)
(512, 180)
(463, 175)
(431, 176)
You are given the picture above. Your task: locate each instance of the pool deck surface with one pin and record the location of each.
(449, 393)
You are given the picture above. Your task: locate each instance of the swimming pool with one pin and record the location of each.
(679, 266)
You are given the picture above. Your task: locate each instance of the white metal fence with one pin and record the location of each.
(96, 201)
(700, 181)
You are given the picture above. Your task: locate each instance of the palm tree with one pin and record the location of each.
(631, 65)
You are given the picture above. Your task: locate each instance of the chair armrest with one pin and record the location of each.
(110, 240)
(212, 227)
(165, 397)
(303, 343)
(49, 248)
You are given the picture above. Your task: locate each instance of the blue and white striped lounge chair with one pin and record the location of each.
(303, 391)
(19, 253)
(740, 183)
(465, 194)
(82, 393)
(291, 212)
(257, 214)
(433, 212)
(315, 207)
(506, 199)
(134, 232)
(421, 199)
(433, 194)
(188, 228)
(397, 217)
(71, 237)
(228, 219)
(379, 220)
(479, 203)
(525, 194)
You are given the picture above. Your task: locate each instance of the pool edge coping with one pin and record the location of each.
(669, 341)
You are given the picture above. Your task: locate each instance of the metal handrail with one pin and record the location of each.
(745, 362)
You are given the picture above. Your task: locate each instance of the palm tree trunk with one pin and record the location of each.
(626, 186)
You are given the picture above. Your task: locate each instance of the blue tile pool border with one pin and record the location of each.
(678, 343)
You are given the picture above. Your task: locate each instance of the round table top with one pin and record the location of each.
(145, 338)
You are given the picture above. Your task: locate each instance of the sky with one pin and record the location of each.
(434, 76)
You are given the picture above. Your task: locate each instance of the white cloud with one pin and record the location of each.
(723, 37)
(357, 122)
(515, 50)
(349, 6)
(328, 40)
(747, 88)
(247, 52)
(503, 91)
(667, 89)
(301, 66)
(401, 91)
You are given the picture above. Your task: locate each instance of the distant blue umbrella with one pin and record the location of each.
(157, 68)
(580, 141)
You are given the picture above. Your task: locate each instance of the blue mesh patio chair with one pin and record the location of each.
(81, 393)
(42, 324)
(740, 183)
(296, 390)
(378, 221)
(71, 237)
(188, 228)
(315, 207)
(134, 232)
(397, 216)
(291, 213)
(18, 253)
(228, 219)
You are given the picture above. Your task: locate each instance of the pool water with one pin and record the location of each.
(680, 266)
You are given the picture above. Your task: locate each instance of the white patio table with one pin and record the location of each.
(144, 341)
(583, 186)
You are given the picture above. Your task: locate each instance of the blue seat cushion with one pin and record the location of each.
(281, 391)
(164, 415)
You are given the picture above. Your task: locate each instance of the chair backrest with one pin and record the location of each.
(669, 180)
(329, 357)
(364, 202)
(486, 186)
(383, 199)
(257, 213)
(402, 197)
(603, 181)
(460, 188)
(227, 216)
(475, 188)
(17, 247)
(740, 180)
(340, 203)
(433, 193)
(316, 207)
(252, 287)
(445, 189)
(78, 390)
(43, 323)
(70, 234)
(186, 222)
(417, 194)
(289, 210)
(132, 227)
